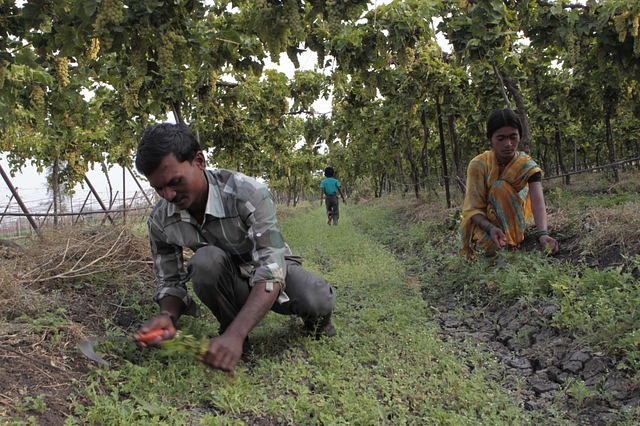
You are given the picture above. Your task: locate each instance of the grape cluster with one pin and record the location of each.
(67, 121)
(145, 33)
(290, 17)
(166, 50)
(262, 4)
(90, 54)
(353, 11)
(94, 48)
(61, 65)
(275, 39)
(131, 102)
(138, 59)
(334, 19)
(37, 104)
(406, 56)
(111, 14)
(106, 41)
(165, 55)
(621, 25)
(572, 46)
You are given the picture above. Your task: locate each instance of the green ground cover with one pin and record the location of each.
(390, 260)
(387, 366)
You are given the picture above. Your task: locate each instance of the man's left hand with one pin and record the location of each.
(224, 352)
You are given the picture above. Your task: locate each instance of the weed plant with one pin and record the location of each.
(598, 306)
(387, 365)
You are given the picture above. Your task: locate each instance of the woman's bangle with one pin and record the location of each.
(170, 315)
(488, 228)
(541, 233)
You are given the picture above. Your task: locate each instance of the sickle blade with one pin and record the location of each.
(86, 347)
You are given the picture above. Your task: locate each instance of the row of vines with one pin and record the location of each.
(81, 79)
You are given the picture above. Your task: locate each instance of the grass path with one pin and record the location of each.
(387, 366)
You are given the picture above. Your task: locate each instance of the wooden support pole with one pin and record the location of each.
(124, 195)
(82, 208)
(95, 194)
(140, 186)
(19, 200)
(6, 208)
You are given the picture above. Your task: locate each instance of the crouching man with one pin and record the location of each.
(241, 267)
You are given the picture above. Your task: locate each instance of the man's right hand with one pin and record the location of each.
(161, 321)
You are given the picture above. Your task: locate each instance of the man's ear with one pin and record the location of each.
(200, 161)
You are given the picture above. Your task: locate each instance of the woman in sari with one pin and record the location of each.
(504, 188)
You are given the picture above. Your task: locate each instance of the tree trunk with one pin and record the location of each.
(525, 141)
(443, 150)
(177, 114)
(545, 159)
(424, 157)
(563, 168)
(456, 153)
(401, 175)
(56, 189)
(415, 174)
(294, 190)
(501, 83)
(610, 145)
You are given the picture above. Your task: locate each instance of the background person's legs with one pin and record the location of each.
(332, 209)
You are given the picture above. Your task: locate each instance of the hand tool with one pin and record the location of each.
(86, 346)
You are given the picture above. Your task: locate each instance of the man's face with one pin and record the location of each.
(181, 183)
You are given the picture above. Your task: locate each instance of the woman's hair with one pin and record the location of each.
(328, 172)
(162, 139)
(503, 117)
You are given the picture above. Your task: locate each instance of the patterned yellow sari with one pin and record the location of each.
(501, 198)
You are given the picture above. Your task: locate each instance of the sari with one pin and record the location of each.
(501, 198)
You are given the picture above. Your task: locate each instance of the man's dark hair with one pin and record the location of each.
(503, 117)
(162, 139)
(328, 172)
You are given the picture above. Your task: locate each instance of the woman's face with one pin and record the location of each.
(504, 143)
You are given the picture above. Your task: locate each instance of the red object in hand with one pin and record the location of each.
(148, 337)
(502, 242)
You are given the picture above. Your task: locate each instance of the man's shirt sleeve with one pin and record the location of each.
(269, 246)
(168, 267)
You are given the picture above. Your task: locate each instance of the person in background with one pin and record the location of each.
(504, 188)
(328, 187)
(241, 267)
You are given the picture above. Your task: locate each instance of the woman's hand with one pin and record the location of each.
(547, 241)
(498, 237)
